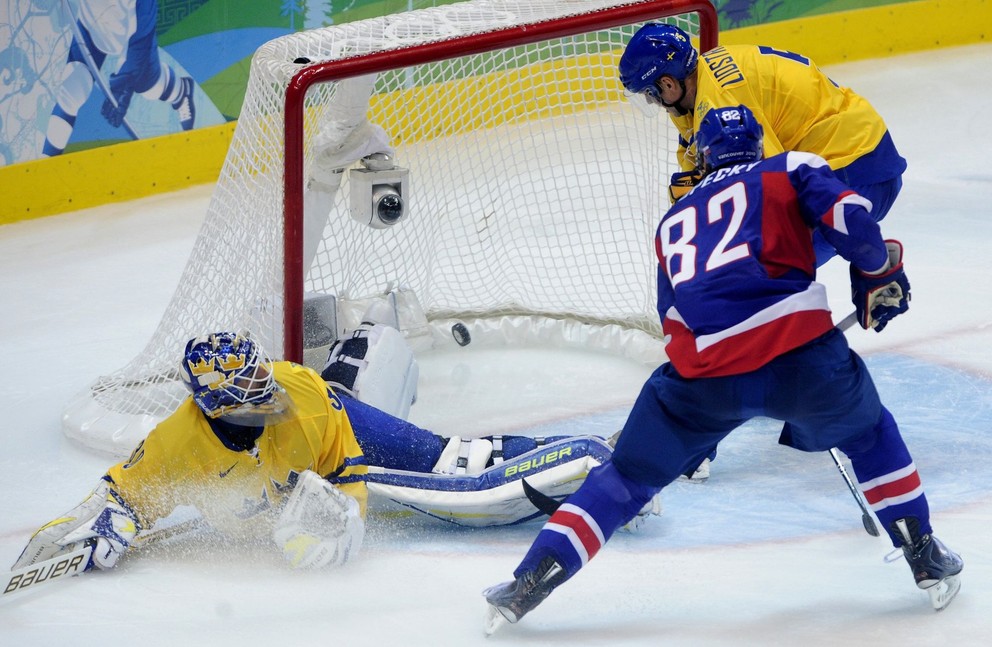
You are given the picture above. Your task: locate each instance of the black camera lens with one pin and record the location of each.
(387, 205)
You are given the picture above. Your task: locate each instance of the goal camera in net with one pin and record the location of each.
(379, 190)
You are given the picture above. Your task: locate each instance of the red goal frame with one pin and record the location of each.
(293, 180)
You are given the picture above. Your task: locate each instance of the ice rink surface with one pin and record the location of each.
(770, 551)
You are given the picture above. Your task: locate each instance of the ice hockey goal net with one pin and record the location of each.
(533, 193)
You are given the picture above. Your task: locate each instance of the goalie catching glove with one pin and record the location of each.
(320, 526)
(884, 295)
(103, 521)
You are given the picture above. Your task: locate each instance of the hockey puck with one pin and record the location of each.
(460, 333)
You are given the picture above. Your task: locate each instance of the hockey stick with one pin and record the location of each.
(541, 501)
(31, 577)
(91, 65)
(866, 518)
(61, 567)
(847, 321)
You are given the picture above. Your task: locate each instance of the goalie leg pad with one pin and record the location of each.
(464, 456)
(496, 496)
(340, 145)
(375, 365)
(320, 526)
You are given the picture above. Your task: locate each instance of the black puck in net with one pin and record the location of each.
(460, 333)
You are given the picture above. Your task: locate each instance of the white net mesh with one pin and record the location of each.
(534, 190)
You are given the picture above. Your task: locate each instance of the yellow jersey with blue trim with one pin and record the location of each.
(184, 461)
(800, 108)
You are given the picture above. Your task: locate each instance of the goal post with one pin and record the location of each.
(525, 190)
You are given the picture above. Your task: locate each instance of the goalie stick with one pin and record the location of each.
(62, 567)
(547, 505)
(31, 577)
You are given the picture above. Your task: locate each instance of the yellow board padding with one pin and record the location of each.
(499, 98)
(874, 32)
(137, 169)
(114, 173)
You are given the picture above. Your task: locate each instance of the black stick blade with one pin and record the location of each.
(541, 501)
(870, 526)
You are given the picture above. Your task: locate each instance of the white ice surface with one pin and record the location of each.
(770, 552)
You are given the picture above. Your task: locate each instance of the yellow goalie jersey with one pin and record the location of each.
(183, 462)
(800, 108)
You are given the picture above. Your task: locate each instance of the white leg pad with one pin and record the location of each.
(464, 456)
(387, 373)
(389, 381)
(496, 496)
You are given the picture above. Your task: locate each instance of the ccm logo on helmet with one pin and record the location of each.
(649, 73)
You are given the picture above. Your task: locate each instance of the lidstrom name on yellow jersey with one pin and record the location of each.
(724, 67)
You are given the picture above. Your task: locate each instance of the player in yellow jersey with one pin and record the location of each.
(270, 450)
(258, 448)
(798, 106)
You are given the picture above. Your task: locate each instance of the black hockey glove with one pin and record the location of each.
(879, 298)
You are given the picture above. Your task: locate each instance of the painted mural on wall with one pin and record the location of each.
(745, 13)
(88, 72)
(76, 74)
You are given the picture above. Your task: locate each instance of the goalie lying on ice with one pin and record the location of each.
(263, 448)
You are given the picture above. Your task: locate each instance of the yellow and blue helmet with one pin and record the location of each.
(227, 372)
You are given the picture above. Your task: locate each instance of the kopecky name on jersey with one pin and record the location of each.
(724, 67)
(725, 172)
(546, 458)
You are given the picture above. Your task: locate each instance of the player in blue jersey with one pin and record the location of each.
(751, 335)
(274, 451)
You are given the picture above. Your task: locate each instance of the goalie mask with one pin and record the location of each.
(729, 136)
(228, 374)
